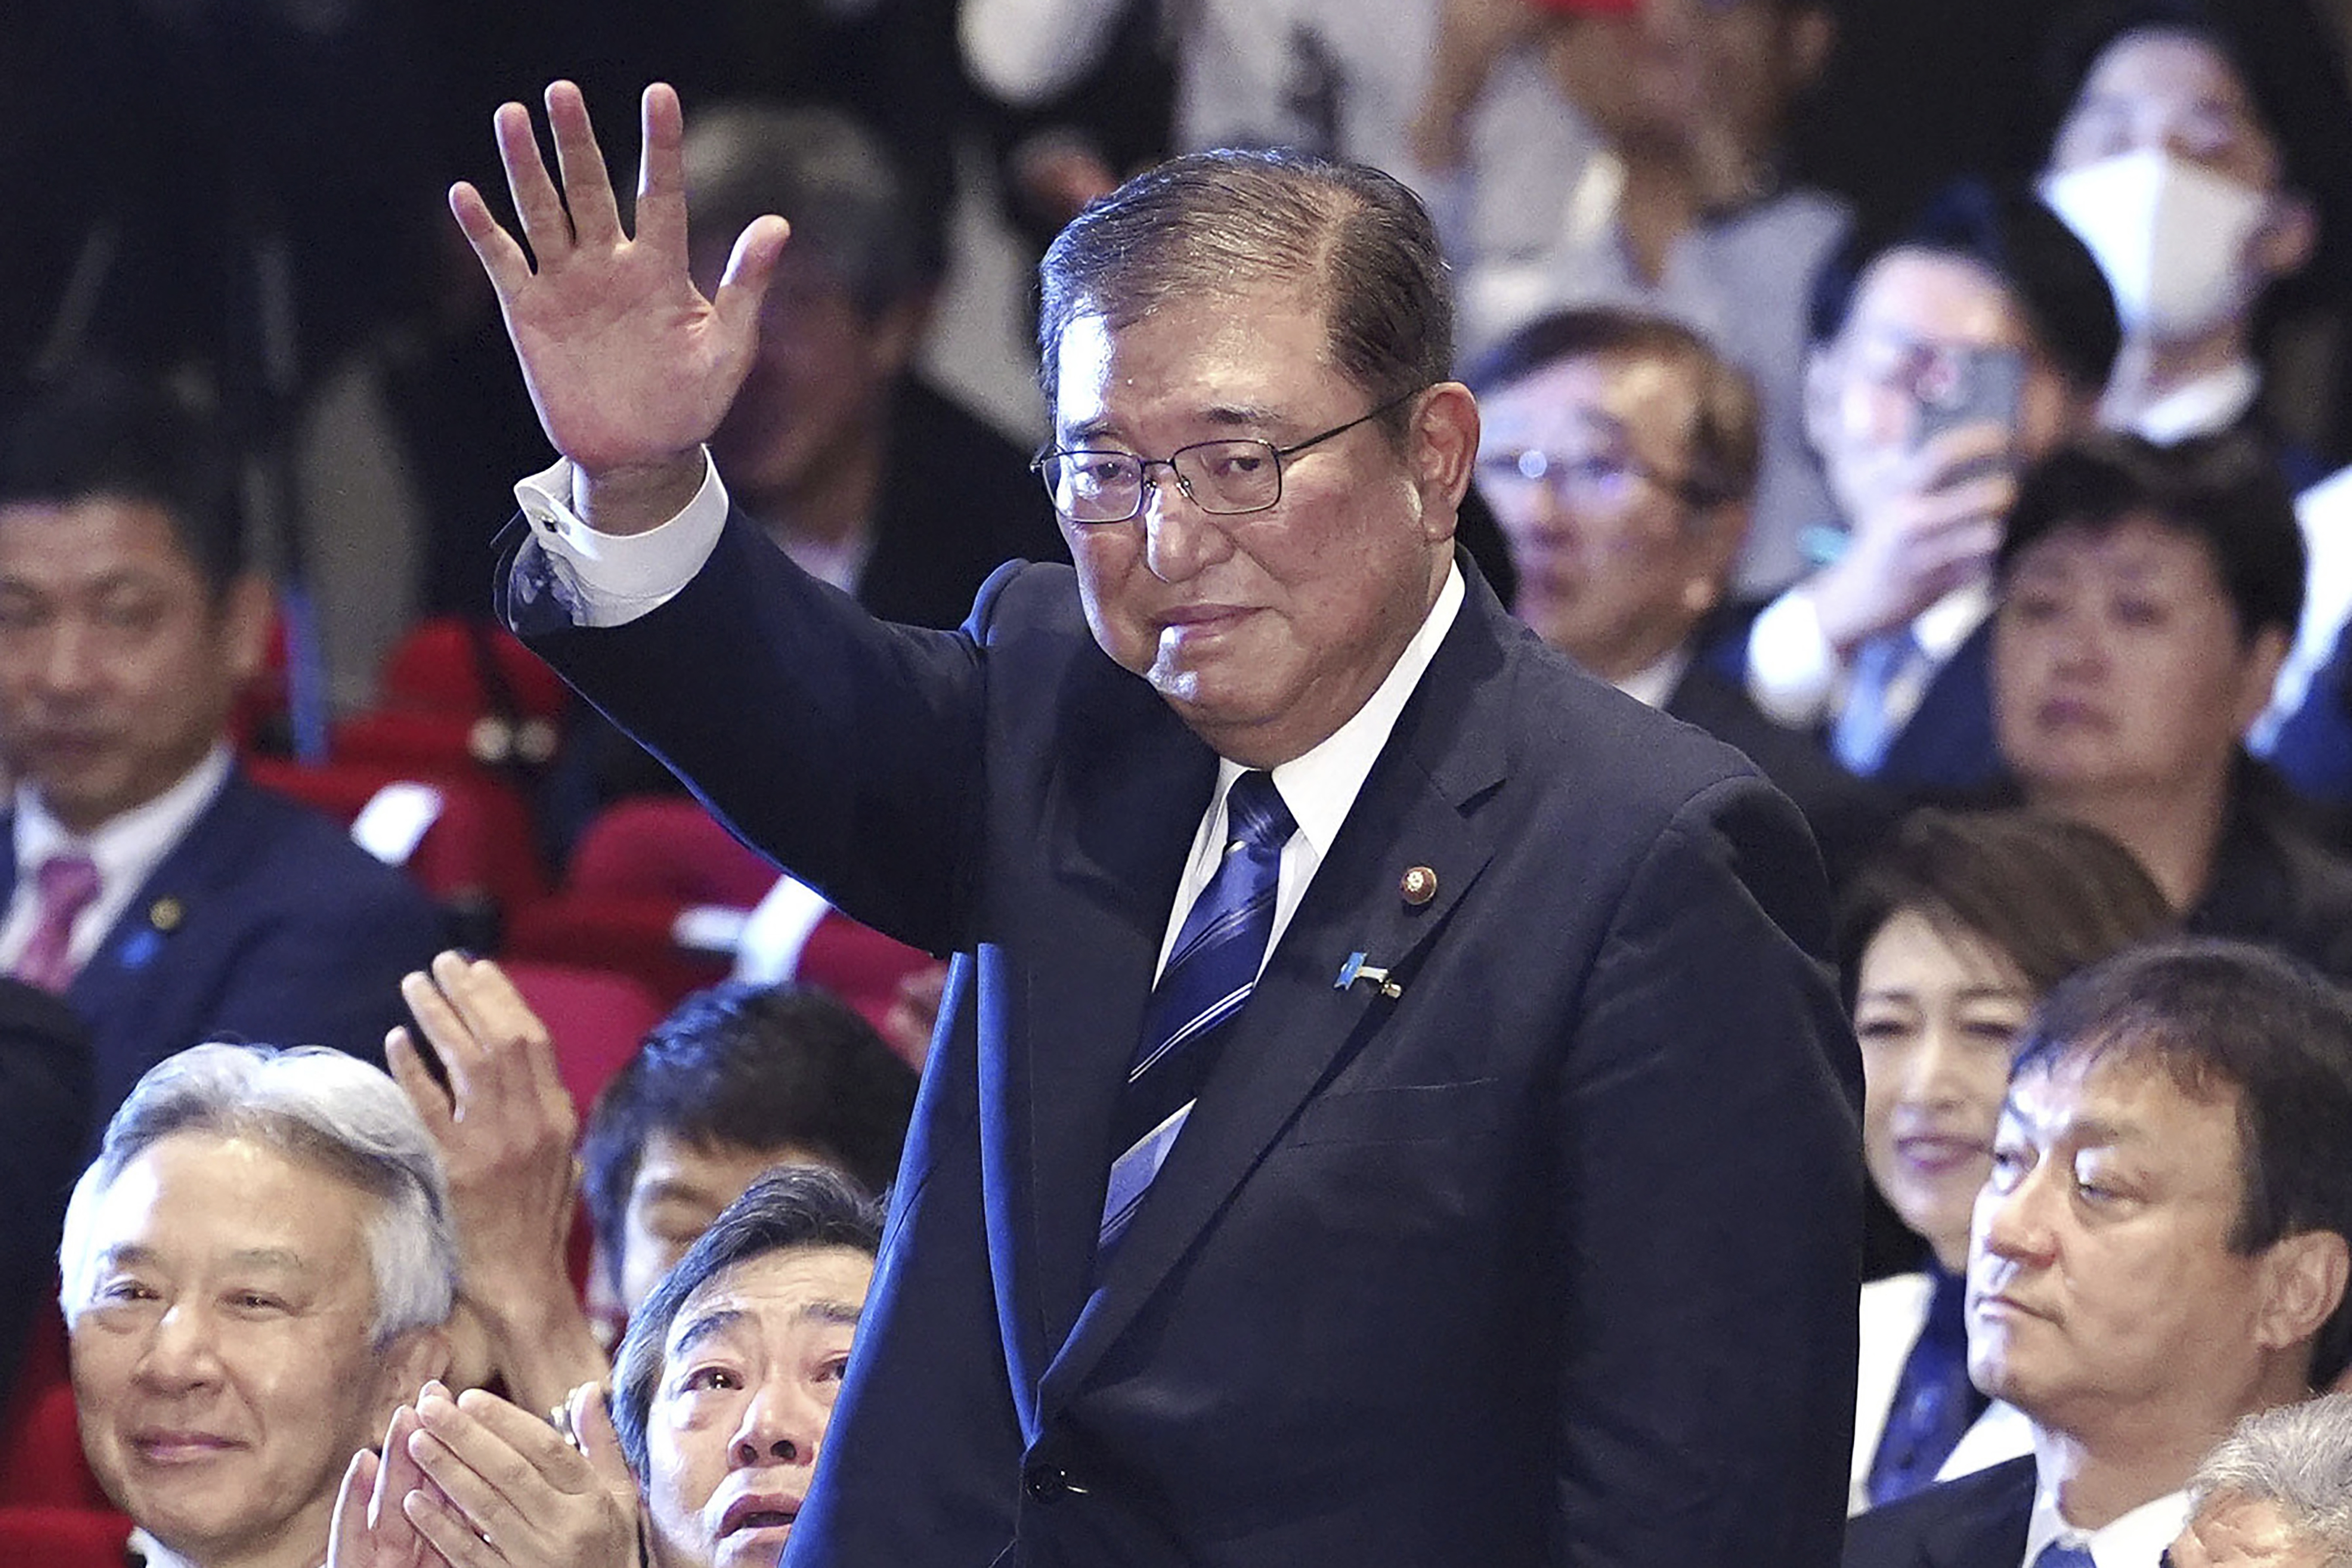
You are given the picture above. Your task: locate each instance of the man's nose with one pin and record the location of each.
(183, 1348)
(2015, 1225)
(783, 1425)
(1179, 538)
(67, 659)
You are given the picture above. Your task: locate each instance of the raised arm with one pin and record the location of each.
(629, 366)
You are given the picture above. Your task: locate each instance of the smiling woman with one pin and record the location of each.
(1946, 941)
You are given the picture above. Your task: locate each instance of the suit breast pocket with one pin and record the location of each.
(1402, 1113)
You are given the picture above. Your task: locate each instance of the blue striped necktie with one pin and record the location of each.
(1210, 974)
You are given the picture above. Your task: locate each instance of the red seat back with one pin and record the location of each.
(666, 847)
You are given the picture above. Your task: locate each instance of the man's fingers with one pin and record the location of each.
(537, 205)
(348, 1528)
(450, 1039)
(405, 1059)
(661, 173)
(749, 268)
(591, 1417)
(587, 187)
(449, 1532)
(502, 257)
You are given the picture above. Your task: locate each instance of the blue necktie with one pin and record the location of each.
(1935, 1403)
(2058, 1554)
(1210, 974)
(1874, 711)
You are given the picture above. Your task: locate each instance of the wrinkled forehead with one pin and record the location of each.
(1651, 399)
(1202, 354)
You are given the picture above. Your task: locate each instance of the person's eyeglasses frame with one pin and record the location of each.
(1043, 464)
(1560, 470)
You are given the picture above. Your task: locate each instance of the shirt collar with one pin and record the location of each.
(2133, 1541)
(129, 846)
(1943, 626)
(1321, 784)
(2212, 401)
(1652, 684)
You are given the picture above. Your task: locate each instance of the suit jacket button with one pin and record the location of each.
(1046, 1483)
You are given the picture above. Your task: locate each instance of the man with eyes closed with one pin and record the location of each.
(2161, 1250)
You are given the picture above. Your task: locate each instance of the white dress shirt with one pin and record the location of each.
(2134, 1541)
(1797, 678)
(126, 851)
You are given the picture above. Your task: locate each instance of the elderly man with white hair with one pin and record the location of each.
(2277, 1494)
(257, 1269)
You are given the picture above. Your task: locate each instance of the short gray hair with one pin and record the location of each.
(314, 1105)
(1212, 224)
(2297, 1458)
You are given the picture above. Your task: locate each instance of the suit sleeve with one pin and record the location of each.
(1710, 1227)
(920, 1465)
(845, 748)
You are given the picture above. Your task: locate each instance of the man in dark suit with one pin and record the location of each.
(1946, 356)
(43, 1122)
(2161, 1250)
(1619, 453)
(1430, 1207)
(166, 898)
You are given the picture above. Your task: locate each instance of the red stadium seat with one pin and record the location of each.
(41, 1465)
(64, 1537)
(596, 1017)
(666, 847)
(476, 848)
(635, 937)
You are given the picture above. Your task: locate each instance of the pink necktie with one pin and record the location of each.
(63, 888)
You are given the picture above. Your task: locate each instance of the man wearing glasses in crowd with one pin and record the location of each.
(1333, 1151)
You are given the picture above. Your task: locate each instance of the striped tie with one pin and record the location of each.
(1210, 974)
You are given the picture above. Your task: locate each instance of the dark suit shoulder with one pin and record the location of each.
(1974, 1521)
(263, 840)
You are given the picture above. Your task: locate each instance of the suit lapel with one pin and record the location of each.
(1121, 816)
(1300, 1026)
(1990, 1531)
(113, 990)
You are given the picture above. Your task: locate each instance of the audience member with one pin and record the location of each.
(166, 898)
(737, 1078)
(721, 1398)
(1945, 357)
(2190, 157)
(2161, 1250)
(865, 475)
(256, 1270)
(1619, 453)
(2306, 732)
(480, 1070)
(1946, 942)
(1682, 210)
(2148, 596)
(2277, 1494)
(44, 1130)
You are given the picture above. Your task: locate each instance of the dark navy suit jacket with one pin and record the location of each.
(1550, 1259)
(265, 923)
(1975, 1522)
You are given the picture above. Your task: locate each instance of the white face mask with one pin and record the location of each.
(2170, 236)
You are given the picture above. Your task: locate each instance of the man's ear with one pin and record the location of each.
(1806, 43)
(1718, 530)
(1443, 448)
(248, 610)
(2258, 673)
(412, 1359)
(2306, 1275)
(895, 335)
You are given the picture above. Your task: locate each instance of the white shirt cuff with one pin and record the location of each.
(1792, 671)
(610, 580)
